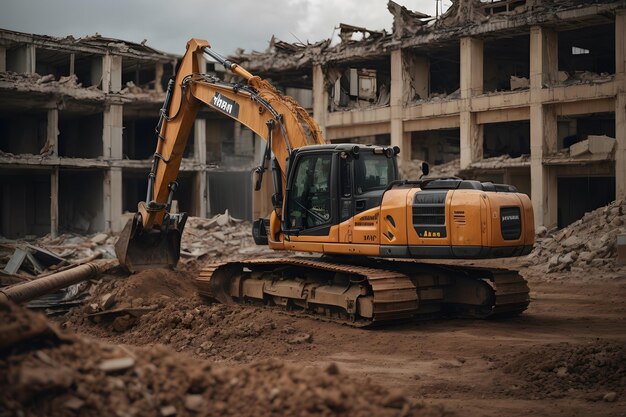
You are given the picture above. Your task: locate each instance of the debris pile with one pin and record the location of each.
(587, 244)
(25, 261)
(412, 169)
(502, 161)
(219, 238)
(45, 372)
(558, 370)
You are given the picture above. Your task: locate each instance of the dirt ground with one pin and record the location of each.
(566, 355)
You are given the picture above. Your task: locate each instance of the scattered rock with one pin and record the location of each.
(610, 397)
(99, 238)
(116, 365)
(332, 369)
(123, 323)
(74, 404)
(107, 301)
(301, 338)
(168, 411)
(195, 402)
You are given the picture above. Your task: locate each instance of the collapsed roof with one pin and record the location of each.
(418, 30)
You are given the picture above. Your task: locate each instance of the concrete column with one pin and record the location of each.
(23, 60)
(112, 131)
(471, 133)
(620, 104)
(200, 194)
(543, 140)
(158, 75)
(72, 64)
(3, 59)
(471, 67)
(620, 152)
(199, 141)
(544, 57)
(111, 73)
(398, 136)
(420, 75)
(471, 138)
(113, 200)
(52, 133)
(320, 98)
(620, 47)
(54, 202)
(543, 125)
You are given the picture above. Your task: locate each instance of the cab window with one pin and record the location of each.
(372, 172)
(309, 198)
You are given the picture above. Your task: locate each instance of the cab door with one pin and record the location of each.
(311, 205)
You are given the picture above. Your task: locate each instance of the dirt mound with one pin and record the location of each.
(155, 283)
(90, 378)
(161, 306)
(558, 370)
(234, 333)
(589, 244)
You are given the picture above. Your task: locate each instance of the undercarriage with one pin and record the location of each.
(366, 292)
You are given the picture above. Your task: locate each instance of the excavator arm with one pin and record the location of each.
(152, 238)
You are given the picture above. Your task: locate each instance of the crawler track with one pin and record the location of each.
(369, 292)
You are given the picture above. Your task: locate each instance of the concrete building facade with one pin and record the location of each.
(77, 136)
(526, 92)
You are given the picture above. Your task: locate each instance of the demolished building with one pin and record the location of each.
(77, 136)
(526, 92)
(520, 81)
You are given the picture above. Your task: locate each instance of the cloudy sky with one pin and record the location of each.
(227, 25)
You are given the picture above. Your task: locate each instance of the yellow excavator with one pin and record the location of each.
(344, 201)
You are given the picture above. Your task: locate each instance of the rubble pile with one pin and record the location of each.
(48, 373)
(220, 238)
(411, 170)
(587, 244)
(502, 161)
(556, 370)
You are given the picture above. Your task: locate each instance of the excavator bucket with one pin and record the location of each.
(138, 249)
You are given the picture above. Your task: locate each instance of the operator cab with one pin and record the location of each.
(329, 184)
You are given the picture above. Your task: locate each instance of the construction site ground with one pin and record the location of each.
(564, 356)
(148, 345)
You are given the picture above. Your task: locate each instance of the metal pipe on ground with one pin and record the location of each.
(22, 293)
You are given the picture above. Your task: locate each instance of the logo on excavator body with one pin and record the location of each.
(509, 218)
(428, 233)
(225, 104)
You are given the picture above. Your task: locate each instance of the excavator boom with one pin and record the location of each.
(152, 238)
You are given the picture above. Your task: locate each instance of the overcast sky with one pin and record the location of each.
(227, 25)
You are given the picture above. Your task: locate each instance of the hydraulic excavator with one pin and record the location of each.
(344, 201)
